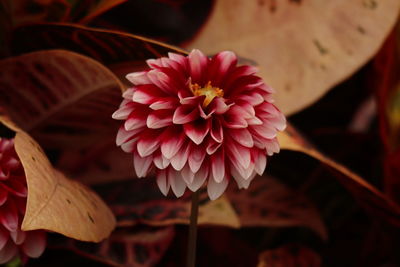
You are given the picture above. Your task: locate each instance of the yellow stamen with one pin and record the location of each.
(209, 91)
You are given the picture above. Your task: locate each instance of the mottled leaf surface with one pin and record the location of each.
(291, 255)
(106, 46)
(366, 194)
(126, 247)
(62, 98)
(56, 203)
(303, 47)
(140, 201)
(269, 203)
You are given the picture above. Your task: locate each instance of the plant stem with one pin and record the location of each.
(191, 253)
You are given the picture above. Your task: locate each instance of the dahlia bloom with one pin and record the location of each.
(195, 119)
(13, 193)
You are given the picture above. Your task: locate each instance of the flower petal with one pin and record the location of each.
(9, 216)
(3, 196)
(146, 94)
(233, 118)
(217, 132)
(159, 119)
(172, 141)
(138, 78)
(197, 130)
(123, 112)
(148, 143)
(187, 174)
(214, 189)
(178, 185)
(196, 158)
(238, 154)
(34, 244)
(218, 166)
(161, 162)
(124, 135)
(219, 66)
(199, 179)
(18, 236)
(163, 182)
(185, 114)
(164, 103)
(265, 130)
(4, 236)
(179, 160)
(260, 163)
(142, 165)
(8, 252)
(197, 64)
(242, 136)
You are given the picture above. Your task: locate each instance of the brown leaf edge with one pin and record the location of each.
(366, 194)
(54, 202)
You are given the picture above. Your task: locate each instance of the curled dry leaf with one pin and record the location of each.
(139, 201)
(126, 247)
(61, 98)
(269, 203)
(366, 194)
(56, 203)
(303, 48)
(292, 255)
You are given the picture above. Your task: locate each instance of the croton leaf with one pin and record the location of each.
(291, 255)
(385, 80)
(137, 201)
(94, 8)
(269, 203)
(106, 46)
(366, 194)
(126, 247)
(54, 202)
(303, 48)
(61, 98)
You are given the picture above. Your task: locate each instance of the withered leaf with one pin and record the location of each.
(303, 48)
(366, 194)
(106, 46)
(267, 202)
(125, 247)
(61, 98)
(140, 201)
(56, 203)
(292, 255)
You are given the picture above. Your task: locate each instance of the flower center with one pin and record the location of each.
(208, 90)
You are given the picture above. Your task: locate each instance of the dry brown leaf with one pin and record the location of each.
(62, 98)
(303, 47)
(126, 247)
(366, 194)
(217, 212)
(54, 202)
(269, 203)
(289, 256)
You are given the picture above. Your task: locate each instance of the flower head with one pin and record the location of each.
(194, 119)
(13, 193)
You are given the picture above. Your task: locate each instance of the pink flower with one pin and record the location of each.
(194, 119)
(13, 193)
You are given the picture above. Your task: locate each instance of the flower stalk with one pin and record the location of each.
(194, 212)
